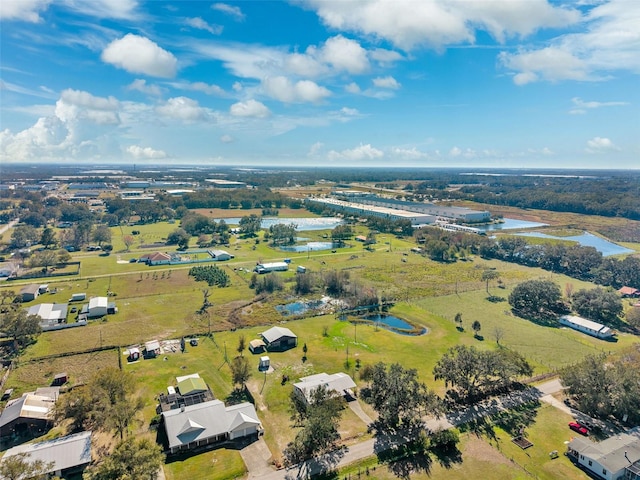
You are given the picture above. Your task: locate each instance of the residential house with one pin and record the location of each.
(616, 458)
(339, 383)
(279, 339)
(208, 423)
(157, 258)
(29, 292)
(64, 455)
(51, 315)
(629, 292)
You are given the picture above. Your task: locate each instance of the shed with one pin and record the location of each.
(43, 289)
(301, 269)
(66, 455)
(279, 339)
(78, 297)
(133, 354)
(257, 346)
(29, 292)
(98, 307)
(264, 364)
(586, 326)
(60, 379)
(152, 348)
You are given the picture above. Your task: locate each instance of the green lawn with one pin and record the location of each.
(221, 464)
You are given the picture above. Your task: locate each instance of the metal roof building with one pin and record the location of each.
(340, 383)
(65, 454)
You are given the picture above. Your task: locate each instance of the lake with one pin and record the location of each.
(587, 239)
(510, 224)
(304, 224)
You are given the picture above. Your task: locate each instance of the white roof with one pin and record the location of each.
(49, 311)
(217, 253)
(206, 420)
(584, 323)
(64, 452)
(97, 302)
(338, 382)
(184, 377)
(274, 333)
(152, 345)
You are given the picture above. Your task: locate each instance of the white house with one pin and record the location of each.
(586, 326)
(340, 383)
(207, 423)
(615, 458)
(51, 314)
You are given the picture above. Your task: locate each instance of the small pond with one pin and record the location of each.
(394, 324)
(587, 239)
(309, 247)
(298, 308)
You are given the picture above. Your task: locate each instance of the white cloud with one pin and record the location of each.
(352, 88)
(283, 89)
(305, 65)
(408, 153)
(600, 145)
(344, 54)
(23, 10)
(315, 149)
(608, 41)
(75, 105)
(142, 86)
(386, 82)
(438, 23)
(137, 54)
(455, 152)
(362, 152)
(237, 87)
(200, 24)
(250, 108)
(145, 153)
(230, 10)
(581, 107)
(119, 9)
(547, 151)
(209, 89)
(226, 139)
(182, 108)
(351, 112)
(384, 56)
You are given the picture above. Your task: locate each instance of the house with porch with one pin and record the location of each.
(208, 423)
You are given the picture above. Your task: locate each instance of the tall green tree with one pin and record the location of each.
(101, 234)
(250, 225)
(488, 275)
(319, 418)
(398, 397)
(48, 237)
(537, 299)
(131, 459)
(597, 304)
(19, 326)
(240, 371)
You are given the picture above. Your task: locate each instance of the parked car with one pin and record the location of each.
(578, 427)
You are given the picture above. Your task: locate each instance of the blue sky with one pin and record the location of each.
(430, 83)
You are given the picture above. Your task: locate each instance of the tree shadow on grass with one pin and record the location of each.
(404, 455)
(481, 427)
(515, 420)
(447, 457)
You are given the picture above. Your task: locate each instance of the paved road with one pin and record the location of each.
(259, 471)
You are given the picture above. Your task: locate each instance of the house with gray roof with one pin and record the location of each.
(617, 457)
(64, 455)
(338, 383)
(30, 413)
(51, 315)
(208, 423)
(279, 339)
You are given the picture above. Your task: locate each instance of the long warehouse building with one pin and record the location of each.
(374, 211)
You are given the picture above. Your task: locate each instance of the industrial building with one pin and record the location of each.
(374, 211)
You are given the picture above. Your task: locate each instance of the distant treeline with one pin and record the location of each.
(576, 261)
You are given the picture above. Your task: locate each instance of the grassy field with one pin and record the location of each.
(162, 303)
